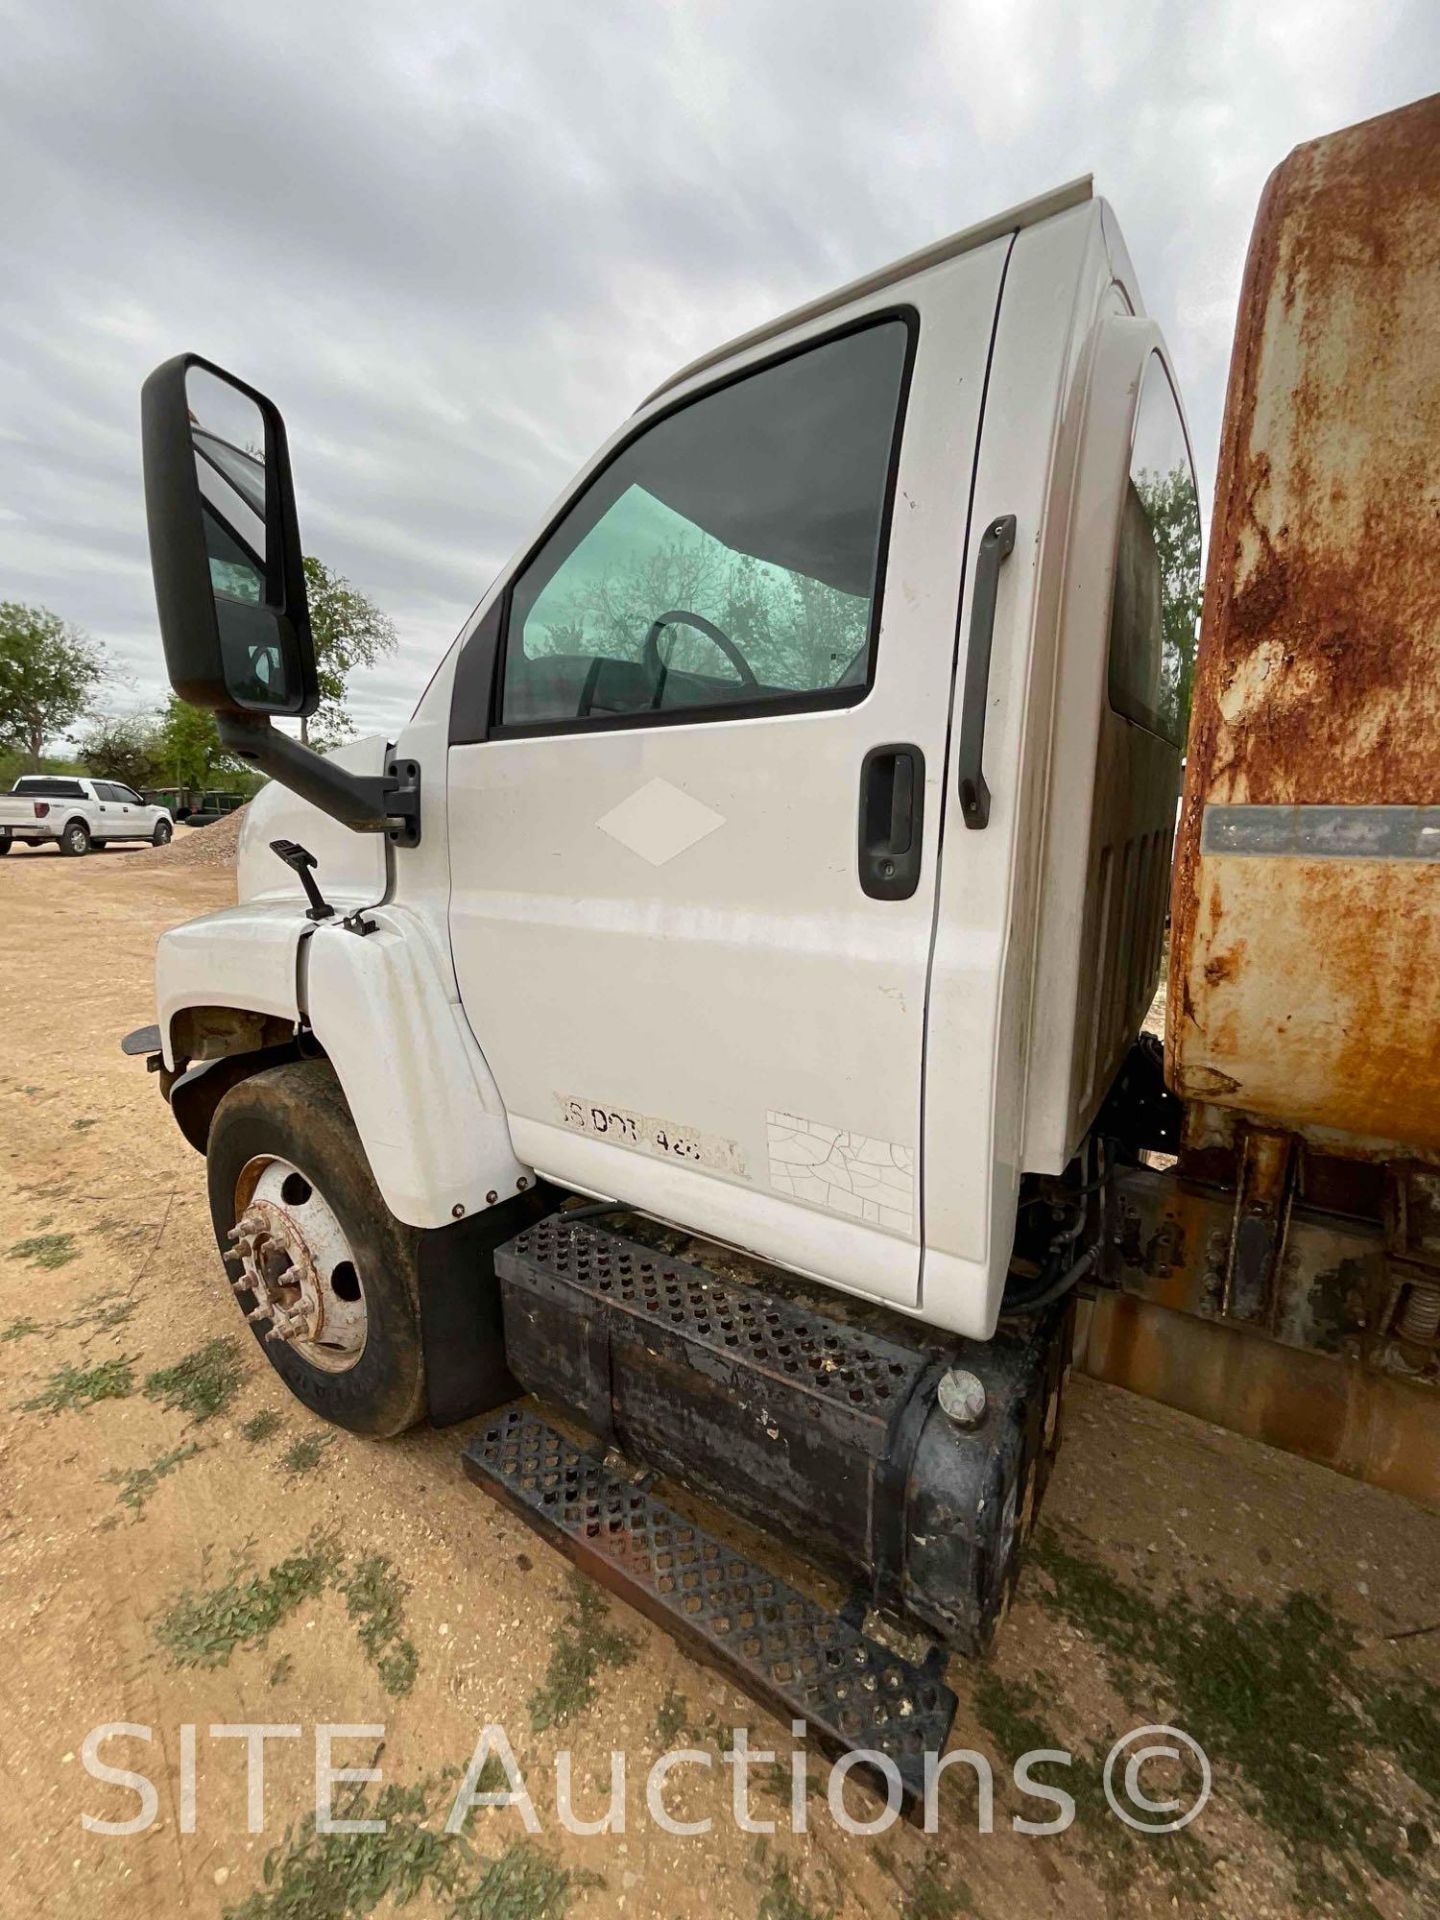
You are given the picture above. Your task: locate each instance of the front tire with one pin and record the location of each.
(5, 843)
(75, 840)
(283, 1157)
(162, 835)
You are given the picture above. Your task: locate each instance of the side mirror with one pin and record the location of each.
(225, 543)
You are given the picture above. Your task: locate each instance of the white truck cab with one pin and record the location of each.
(780, 855)
(701, 919)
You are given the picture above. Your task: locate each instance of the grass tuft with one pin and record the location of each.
(304, 1455)
(47, 1249)
(261, 1426)
(103, 1310)
(137, 1484)
(671, 1718)
(343, 1876)
(203, 1383)
(1267, 1689)
(582, 1647)
(374, 1598)
(782, 1899)
(70, 1389)
(524, 1883)
(346, 1876)
(20, 1329)
(203, 1629)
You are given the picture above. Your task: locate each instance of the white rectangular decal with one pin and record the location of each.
(843, 1172)
(663, 1138)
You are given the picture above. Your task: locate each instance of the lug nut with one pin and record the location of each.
(962, 1397)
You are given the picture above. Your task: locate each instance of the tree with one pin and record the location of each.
(127, 750)
(187, 745)
(48, 671)
(349, 631)
(793, 630)
(1174, 516)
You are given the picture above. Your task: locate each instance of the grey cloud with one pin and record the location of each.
(459, 242)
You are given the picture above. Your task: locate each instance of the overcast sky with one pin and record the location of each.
(458, 241)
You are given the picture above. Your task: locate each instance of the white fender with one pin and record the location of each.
(384, 1007)
(238, 957)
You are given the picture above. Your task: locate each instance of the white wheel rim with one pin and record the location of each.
(294, 1257)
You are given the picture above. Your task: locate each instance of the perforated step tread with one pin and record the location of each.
(801, 1660)
(858, 1374)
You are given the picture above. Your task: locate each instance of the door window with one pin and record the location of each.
(728, 559)
(1155, 611)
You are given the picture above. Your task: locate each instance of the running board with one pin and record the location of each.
(799, 1659)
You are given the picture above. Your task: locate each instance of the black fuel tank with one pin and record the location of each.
(826, 1431)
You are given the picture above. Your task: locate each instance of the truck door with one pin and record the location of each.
(697, 747)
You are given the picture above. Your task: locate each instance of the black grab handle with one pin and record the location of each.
(996, 543)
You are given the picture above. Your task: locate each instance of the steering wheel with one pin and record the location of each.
(656, 669)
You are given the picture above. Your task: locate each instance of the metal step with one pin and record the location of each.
(801, 1660)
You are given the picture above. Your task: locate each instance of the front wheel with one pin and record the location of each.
(5, 843)
(324, 1272)
(75, 840)
(162, 834)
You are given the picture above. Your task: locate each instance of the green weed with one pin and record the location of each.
(203, 1383)
(343, 1876)
(303, 1455)
(782, 1899)
(47, 1249)
(203, 1629)
(1266, 1688)
(137, 1484)
(525, 1883)
(346, 1876)
(670, 1719)
(374, 1596)
(582, 1647)
(69, 1389)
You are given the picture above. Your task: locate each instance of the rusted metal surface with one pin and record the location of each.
(1374, 1426)
(1332, 1288)
(1305, 984)
(1261, 1219)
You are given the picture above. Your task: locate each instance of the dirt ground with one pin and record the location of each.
(182, 1546)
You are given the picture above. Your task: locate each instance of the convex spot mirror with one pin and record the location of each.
(224, 543)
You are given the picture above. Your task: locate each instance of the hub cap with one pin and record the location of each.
(293, 1256)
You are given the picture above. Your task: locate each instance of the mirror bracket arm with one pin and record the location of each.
(366, 803)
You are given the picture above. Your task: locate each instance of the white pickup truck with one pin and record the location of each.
(78, 814)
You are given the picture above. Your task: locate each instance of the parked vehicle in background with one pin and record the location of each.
(195, 806)
(78, 813)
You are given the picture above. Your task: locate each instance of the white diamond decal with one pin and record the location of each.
(659, 821)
